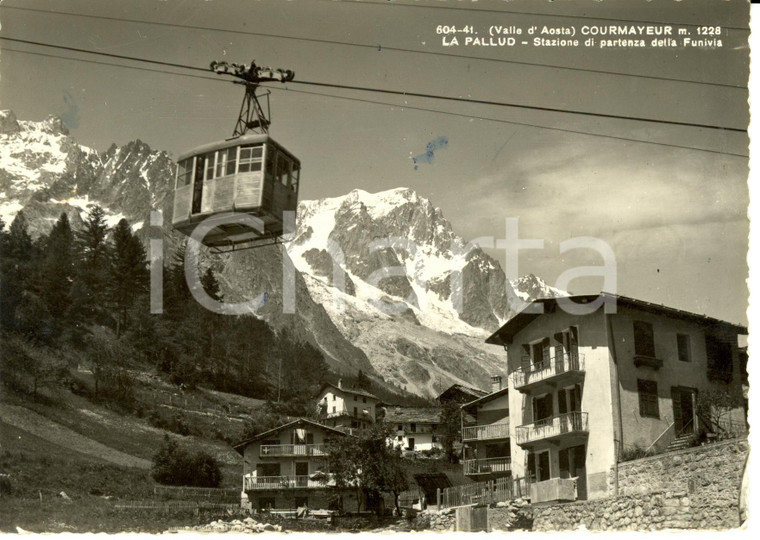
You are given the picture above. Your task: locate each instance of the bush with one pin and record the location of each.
(634, 452)
(175, 466)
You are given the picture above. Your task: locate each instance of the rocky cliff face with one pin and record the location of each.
(382, 283)
(403, 287)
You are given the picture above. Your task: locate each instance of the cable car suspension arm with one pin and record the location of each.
(252, 116)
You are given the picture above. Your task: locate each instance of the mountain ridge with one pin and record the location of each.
(420, 326)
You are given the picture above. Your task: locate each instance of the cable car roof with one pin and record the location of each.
(235, 141)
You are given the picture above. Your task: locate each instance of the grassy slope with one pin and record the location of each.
(40, 467)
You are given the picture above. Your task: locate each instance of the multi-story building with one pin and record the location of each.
(414, 428)
(586, 388)
(486, 435)
(286, 467)
(342, 407)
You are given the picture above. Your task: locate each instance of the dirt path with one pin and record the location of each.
(45, 428)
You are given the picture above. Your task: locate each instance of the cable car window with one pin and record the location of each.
(221, 162)
(294, 177)
(231, 159)
(250, 158)
(184, 172)
(210, 165)
(283, 168)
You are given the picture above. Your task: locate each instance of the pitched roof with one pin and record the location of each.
(486, 398)
(240, 447)
(418, 415)
(505, 334)
(468, 390)
(357, 391)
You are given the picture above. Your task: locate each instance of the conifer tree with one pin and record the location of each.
(129, 277)
(14, 270)
(89, 294)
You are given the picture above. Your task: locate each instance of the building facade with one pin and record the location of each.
(584, 389)
(286, 468)
(414, 428)
(350, 408)
(487, 452)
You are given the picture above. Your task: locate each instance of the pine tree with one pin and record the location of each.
(17, 259)
(129, 277)
(90, 291)
(55, 272)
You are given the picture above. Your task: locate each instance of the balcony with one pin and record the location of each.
(487, 465)
(346, 412)
(280, 450)
(569, 366)
(288, 482)
(640, 360)
(486, 432)
(564, 425)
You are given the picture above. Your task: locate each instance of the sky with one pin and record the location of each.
(676, 218)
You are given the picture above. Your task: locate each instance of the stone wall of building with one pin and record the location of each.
(697, 488)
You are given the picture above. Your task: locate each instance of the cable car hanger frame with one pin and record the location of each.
(252, 116)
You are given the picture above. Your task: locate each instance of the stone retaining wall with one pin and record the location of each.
(697, 488)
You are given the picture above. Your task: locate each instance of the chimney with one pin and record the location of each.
(340, 384)
(495, 383)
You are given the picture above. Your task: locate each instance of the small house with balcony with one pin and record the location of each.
(414, 428)
(594, 376)
(286, 467)
(346, 408)
(486, 435)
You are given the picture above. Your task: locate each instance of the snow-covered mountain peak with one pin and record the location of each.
(529, 287)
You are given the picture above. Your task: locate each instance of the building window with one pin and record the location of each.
(684, 347)
(333, 397)
(400, 438)
(400, 427)
(364, 400)
(333, 408)
(648, 406)
(643, 339)
(719, 359)
(413, 428)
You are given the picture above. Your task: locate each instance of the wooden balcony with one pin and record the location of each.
(486, 432)
(347, 412)
(487, 466)
(562, 426)
(288, 482)
(285, 450)
(568, 367)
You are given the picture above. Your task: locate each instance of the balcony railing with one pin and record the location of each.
(486, 432)
(287, 482)
(487, 465)
(533, 373)
(554, 427)
(276, 450)
(347, 412)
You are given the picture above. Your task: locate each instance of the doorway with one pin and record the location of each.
(684, 410)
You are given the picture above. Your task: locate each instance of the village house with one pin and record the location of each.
(414, 428)
(286, 468)
(460, 394)
(585, 389)
(346, 408)
(486, 435)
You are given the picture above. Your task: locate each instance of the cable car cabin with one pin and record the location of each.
(249, 174)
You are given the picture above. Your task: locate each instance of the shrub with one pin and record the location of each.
(176, 466)
(634, 452)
